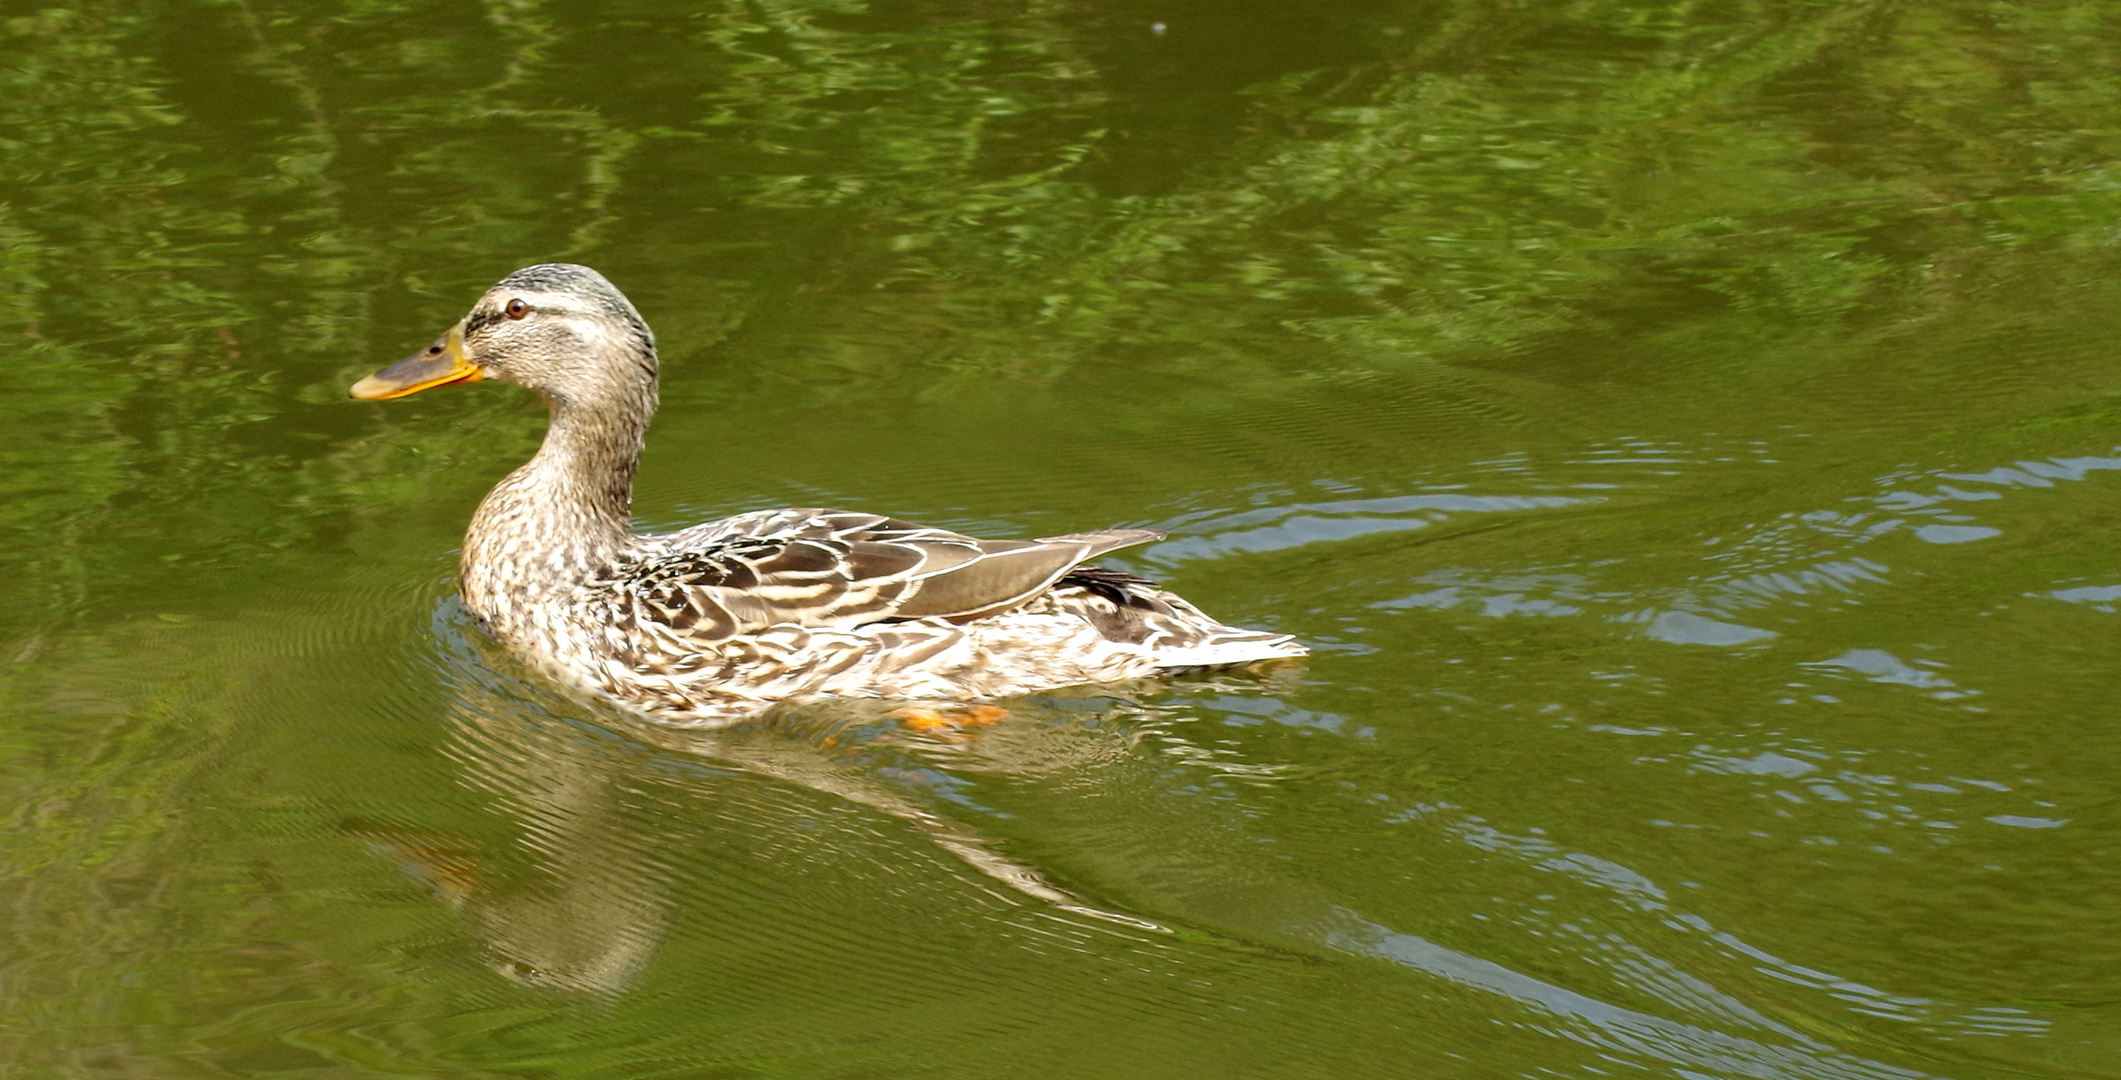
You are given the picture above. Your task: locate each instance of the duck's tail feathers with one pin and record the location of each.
(1134, 610)
(1241, 647)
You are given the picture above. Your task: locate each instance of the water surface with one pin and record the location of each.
(1687, 434)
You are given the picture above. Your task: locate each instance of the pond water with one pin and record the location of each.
(1686, 433)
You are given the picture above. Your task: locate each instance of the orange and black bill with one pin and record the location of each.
(436, 365)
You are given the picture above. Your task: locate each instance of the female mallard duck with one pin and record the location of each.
(713, 622)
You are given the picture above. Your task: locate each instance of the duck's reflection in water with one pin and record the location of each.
(587, 909)
(622, 828)
(582, 900)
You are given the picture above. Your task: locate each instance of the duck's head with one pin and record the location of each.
(557, 328)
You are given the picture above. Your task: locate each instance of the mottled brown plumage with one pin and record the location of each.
(720, 620)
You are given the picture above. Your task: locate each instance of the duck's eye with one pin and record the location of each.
(517, 309)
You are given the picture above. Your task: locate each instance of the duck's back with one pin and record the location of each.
(762, 607)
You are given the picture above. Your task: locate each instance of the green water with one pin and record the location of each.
(1686, 432)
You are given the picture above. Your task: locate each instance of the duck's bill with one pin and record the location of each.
(437, 365)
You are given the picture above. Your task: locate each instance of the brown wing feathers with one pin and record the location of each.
(829, 569)
(1009, 572)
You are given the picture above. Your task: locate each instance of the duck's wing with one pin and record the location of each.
(826, 568)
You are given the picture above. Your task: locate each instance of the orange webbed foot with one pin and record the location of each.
(954, 719)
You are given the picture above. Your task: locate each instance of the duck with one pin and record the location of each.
(724, 620)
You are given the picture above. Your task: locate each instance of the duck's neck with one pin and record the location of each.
(553, 524)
